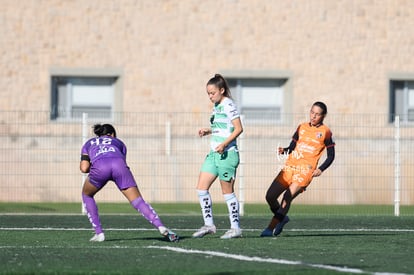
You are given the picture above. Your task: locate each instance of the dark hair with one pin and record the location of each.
(219, 81)
(322, 106)
(104, 130)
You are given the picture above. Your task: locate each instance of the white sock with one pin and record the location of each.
(233, 207)
(206, 206)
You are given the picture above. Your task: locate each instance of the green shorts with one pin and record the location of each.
(224, 166)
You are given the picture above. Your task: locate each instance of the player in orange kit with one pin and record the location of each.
(304, 152)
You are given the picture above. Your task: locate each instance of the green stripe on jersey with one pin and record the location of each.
(222, 126)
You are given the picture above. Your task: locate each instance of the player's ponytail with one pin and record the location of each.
(221, 83)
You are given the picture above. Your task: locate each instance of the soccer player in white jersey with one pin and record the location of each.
(222, 160)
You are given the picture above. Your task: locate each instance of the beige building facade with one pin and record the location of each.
(342, 52)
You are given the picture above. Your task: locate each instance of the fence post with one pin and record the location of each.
(84, 139)
(240, 172)
(397, 168)
(168, 138)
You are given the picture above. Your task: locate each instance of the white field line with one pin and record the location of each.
(194, 229)
(216, 254)
(270, 260)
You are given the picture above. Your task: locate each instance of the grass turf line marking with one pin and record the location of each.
(214, 253)
(270, 260)
(189, 229)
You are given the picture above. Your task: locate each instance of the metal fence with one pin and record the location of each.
(40, 160)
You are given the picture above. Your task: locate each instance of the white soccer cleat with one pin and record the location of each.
(204, 230)
(98, 238)
(232, 233)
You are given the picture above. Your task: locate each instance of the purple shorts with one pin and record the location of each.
(114, 169)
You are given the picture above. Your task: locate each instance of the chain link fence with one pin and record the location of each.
(40, 161)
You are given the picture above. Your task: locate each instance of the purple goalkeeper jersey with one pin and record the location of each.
(104, 147)
(108, 162)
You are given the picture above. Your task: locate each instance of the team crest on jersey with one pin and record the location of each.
(319, 135)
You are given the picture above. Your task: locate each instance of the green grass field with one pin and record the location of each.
(53, 239)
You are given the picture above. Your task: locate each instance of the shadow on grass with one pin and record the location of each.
(344, 234)
(161, 239)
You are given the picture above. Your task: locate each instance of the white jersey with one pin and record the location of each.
(221, 126)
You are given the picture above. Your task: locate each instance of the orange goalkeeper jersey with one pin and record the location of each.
(310, 143)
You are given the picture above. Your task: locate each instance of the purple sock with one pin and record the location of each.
(147, 211)
(92, 212)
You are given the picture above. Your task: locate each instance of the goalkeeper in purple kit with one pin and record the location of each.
(104, 158)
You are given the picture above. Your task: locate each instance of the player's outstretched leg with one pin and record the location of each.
(150, 215)
(93, 216)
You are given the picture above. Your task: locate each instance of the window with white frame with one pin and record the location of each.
(402, 100)
(71, 96)
(259, 99)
